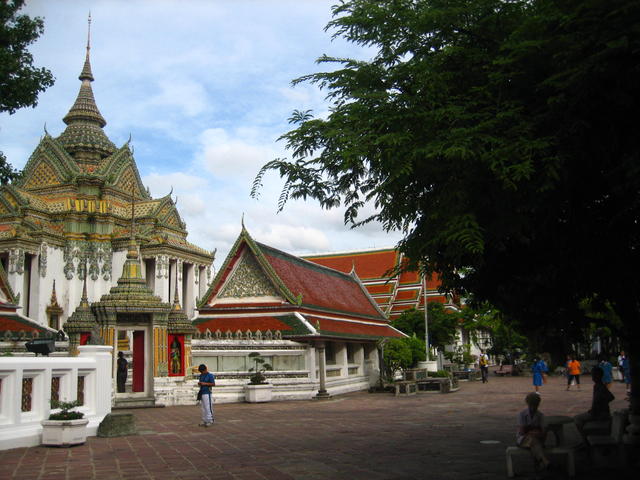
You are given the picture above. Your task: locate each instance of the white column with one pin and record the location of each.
(322, 372)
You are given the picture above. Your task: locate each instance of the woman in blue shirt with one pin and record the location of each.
(539, 369)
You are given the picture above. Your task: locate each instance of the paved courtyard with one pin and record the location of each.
(351, 437)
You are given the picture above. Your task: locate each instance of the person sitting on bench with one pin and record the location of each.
(531, 433)
(599, 404)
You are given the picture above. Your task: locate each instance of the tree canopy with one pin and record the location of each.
(499, 136)
(20, 81)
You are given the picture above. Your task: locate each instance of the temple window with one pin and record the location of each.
(54, 321)
(330, 353)
(150, 272)
(28, 277)
(351, 352)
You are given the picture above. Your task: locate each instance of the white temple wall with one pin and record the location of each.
(295, 375)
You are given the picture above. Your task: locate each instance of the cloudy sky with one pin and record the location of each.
(203, 88)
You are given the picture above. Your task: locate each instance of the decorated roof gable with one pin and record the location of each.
(48, 166)
(245, 274)
(121, 171)
(248, 280)
(7, 296)
(9, 200)
(167, 213)
(297, 281)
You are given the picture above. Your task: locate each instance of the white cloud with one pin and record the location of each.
(225, 156)
(204, 89)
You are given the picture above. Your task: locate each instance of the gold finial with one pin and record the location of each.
(89, 34)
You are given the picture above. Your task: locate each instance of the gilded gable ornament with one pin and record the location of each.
(248, 280)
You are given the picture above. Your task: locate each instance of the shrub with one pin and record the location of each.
(66, 412)
(258, 378)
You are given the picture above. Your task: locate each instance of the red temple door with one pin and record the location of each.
(138, 361)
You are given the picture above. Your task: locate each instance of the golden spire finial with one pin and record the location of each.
(89, 34)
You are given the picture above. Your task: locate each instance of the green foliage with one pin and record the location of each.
(66, 412)
(461, 355)
(418, 350)
(20, 81)
(440, 374)
(442, 324)
(495, 136)
(397, 356)
(261, 366)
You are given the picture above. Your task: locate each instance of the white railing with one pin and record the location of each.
(26, 391)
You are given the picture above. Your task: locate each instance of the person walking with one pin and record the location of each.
(539, 370)
(483, 361)
(607, 371)
(621, 359)
(574, 369)
(206, 381)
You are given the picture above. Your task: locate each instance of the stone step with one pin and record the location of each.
(135, 402)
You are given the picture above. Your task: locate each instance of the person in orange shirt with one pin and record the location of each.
(574, 369)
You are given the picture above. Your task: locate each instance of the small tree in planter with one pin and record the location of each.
(66, 427)
(258, 389)
(258, 377)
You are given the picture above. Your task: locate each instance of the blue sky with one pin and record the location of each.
(203, 88)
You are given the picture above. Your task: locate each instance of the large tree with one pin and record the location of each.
(501, 137)
(20, 81)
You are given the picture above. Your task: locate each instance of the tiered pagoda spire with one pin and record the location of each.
(84, 137)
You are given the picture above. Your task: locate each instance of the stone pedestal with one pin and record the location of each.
(117, 425)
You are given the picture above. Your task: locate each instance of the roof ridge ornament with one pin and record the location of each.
(86, 73)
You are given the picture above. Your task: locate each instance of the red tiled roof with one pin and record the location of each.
(380, 288)
(16, 324)
(339, 327)
(320, 287)
(407, 294)
(262, 323)
(410, 277)
(374, 264)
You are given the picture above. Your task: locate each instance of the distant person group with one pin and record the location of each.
(531, 433)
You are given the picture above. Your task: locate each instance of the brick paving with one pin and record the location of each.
(351, 437)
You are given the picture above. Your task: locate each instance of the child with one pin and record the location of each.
(531, 433)
(574, 369)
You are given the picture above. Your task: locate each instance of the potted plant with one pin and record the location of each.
(258, 389)
(66, 427)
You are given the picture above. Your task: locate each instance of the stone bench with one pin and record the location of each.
(605, 449)
(467, 374)
(405, 387)
(568, 451)
(444, 385)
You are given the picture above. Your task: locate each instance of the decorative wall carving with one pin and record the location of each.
(80, 256)
(162, 266)
(42, 260)
(16, 261)
(248, 280)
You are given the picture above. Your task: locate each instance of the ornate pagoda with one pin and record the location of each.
(78, 215)
(67, 219)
